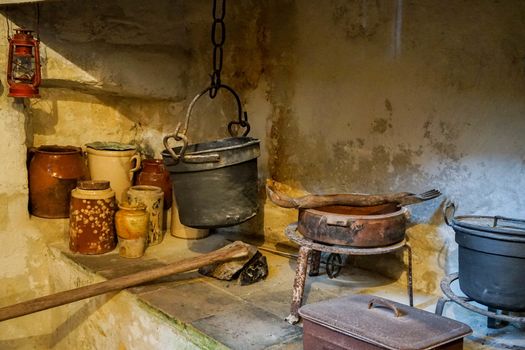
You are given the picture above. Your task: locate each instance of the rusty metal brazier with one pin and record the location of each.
(372, 226)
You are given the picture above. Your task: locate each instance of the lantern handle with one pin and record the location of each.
(10, 63)
(38, 78)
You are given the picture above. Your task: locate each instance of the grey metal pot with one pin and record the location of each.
(491, 258)
(215, 183)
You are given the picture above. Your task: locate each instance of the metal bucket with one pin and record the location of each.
(220, 192)
(215, 183)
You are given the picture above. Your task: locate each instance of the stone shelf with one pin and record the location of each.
(210, 313)
(18, 2)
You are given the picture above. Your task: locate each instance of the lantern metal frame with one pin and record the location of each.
(24, 44)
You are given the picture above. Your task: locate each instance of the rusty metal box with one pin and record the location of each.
(369, 322)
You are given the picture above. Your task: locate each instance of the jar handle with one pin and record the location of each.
(135, 158)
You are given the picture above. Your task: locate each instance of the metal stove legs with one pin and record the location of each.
(497, 321)
(315, 262)
(298, 284)
(441, 305)
(408, 249)
(307, 254)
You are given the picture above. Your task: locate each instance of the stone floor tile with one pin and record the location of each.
(191, 301)
(293, 344)
(278, 302)
(248, 328)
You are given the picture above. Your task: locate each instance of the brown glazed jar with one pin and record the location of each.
(91, 221)
(53, 173)
(154, 173)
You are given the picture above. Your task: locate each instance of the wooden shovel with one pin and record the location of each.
(311, 201)
(232, 251)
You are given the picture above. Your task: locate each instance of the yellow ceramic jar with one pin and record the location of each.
(132, 224)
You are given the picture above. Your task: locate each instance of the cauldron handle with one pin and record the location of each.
(242, 117)
(180, 135)
(449, 209)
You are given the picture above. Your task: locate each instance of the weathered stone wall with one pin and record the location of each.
(368, 96)
(346, 96)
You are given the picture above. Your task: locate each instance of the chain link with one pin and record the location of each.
(218, 37)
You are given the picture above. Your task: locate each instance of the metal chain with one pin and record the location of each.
(218, 36)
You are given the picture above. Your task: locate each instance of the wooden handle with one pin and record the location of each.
(232, 251)
(315, 201)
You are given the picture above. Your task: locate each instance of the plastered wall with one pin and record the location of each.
(346, 96)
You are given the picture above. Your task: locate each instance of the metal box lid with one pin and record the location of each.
(373, 319)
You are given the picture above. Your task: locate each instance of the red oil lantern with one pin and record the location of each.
(23, 66)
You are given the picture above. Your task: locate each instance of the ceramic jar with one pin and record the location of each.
(153, 198)
(180, 231)
(115, 162)
(131, 222)
(53, 173)
(154, 173)
(91, 220)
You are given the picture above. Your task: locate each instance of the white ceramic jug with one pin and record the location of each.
(114, 162)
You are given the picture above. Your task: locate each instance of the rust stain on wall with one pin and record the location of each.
(442, 138)
(381, 125)
(356, 18)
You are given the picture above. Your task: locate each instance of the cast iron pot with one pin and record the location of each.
(373, 226)
(491, 259)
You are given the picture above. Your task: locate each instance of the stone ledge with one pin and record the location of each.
(212, 313)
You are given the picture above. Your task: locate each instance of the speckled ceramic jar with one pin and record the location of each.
(131, 222)
(91, 218)
(153, 198)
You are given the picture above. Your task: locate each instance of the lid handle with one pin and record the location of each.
(380, 302)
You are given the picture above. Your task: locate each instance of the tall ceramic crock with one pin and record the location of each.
(53, 173)
(152, 198)
(115, 162)
(91, 222)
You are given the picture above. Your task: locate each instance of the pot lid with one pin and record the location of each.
(93, 185)
(492, 224)
(378, 325)
(110, 146)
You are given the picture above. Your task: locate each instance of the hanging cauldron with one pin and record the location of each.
(491, 259)
(215, 183)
